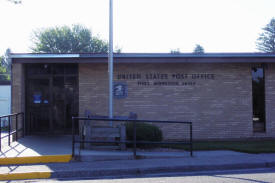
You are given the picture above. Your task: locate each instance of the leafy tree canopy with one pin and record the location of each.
(16, 1)
(198, 49)
(266, 40)
(6, 61)
(175, 51)
(4, 76)
(5, 67)
(65, 39)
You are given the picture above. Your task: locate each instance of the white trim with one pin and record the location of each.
(45, 56)
(144, 55)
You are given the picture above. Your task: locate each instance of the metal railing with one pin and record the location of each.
(9, 128)
(134, 141)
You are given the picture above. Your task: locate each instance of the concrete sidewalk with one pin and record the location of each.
(38, 146)
(202, 160)
(34, 146)
(99, 164)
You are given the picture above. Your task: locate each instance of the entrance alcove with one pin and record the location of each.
(51, 98)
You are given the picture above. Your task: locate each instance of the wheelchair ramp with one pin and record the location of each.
(37, 149)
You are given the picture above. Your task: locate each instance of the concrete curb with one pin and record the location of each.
(141, 171)
(93, 158)
(97, 173)
(29, 175)
(35, 159)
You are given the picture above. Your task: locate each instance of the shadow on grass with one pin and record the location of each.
(259, 146)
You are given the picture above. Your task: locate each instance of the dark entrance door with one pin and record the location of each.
(65, 102)
(52, 97)
(39, 104)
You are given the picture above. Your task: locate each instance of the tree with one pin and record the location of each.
(266, 40)
(16, 1)
(175, 51)
(65, 39)
(5, 67)
(198, 49)
(6, 61)
(4, 77)
(118, 50)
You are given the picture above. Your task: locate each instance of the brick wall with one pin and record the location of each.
(270, 101)
(219, 107)
(18, 95)
(18, 88)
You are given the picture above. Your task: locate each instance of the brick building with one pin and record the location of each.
(226, 96)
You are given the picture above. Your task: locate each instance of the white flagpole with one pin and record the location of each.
(110, 61)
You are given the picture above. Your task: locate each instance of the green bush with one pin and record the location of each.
(144, 132)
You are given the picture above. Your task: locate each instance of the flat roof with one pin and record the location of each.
(144, 58)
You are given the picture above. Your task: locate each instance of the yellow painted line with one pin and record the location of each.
(36, 159)
(29, 175)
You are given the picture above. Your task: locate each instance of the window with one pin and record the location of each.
(38, 69)
(258, 96)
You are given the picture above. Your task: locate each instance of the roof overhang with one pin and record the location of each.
(145, 58)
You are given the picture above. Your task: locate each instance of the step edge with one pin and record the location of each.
(25, 175)
(65, 158)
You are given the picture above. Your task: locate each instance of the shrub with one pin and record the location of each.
(144, 132)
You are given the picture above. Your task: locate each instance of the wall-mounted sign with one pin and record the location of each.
(37, 98)
(120, 90)
(166, 79)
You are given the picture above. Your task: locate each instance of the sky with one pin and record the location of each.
(143, 26)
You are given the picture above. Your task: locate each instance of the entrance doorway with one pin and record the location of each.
(51, 97)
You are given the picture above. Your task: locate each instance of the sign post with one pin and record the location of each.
(110, 61)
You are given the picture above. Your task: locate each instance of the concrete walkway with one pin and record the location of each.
(38, 146)
(60, 145)
(100, 164)
(203, 160)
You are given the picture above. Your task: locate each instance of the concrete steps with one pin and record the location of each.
(33, 151)
(35, 159)
(93, 163)
(16, 168)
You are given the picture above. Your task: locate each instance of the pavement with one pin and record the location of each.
(37, 146)
(102, 164)
(201, 161)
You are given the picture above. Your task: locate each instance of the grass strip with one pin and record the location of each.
(263, 146)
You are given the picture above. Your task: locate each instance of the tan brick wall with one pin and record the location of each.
(18, 88)
(18, 95)
(93, 79)
(219, 108)
(270, 101)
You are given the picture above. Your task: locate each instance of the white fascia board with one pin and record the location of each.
(45, 56)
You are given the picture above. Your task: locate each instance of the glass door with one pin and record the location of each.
(39, 105)
(52, 97)
(65, 103)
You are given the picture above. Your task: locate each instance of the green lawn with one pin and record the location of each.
(259, 146)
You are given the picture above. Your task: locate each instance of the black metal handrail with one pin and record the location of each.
(10, 130)
(134, 142)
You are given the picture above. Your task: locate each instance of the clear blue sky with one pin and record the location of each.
(144, 25)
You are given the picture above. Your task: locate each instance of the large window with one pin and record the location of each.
(258, 93)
